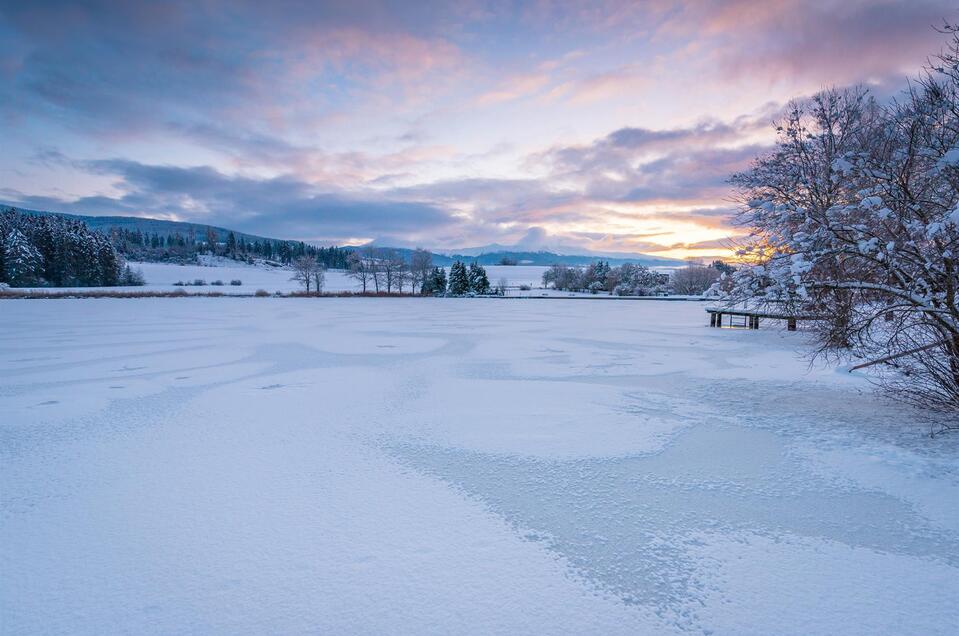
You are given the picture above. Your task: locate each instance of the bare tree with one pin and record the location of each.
(305, 270)
(394, 270)
(374, 265)
(693, 280)
(359, 269)
(319, 278)
(421, 262)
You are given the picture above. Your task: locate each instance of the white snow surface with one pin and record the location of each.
(164, 276)
(455, 466)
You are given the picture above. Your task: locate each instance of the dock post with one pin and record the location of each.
(791, 324)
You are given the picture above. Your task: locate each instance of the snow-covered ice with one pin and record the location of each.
(251, 465)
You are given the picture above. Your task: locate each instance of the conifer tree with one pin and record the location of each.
(22, 263)
(459, 283)
(434, 283)
(478, 280)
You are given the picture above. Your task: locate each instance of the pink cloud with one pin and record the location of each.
(516, 87)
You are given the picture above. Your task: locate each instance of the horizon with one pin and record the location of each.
(608, 128)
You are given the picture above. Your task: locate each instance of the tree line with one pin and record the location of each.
(58, 252)
(383, 270)
(635, 280)
(854, 220)
(179, 248)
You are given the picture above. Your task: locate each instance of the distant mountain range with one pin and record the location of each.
(545, 257)
(493, 254)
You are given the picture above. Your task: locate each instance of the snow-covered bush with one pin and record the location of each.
(627, 280)
(132, 277)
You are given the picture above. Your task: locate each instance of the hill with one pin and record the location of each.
(491, 255)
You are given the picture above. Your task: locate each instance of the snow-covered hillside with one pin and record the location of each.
(411, 466)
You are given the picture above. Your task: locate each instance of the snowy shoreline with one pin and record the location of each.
(168, 277)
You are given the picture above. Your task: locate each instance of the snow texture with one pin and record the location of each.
(164, 276)
(448, 466)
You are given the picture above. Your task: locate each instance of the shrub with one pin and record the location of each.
(218, 283)
(236, 282)
(261, 293)
(132, 277)
(199, 282)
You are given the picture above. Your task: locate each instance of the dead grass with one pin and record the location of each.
(13, 294)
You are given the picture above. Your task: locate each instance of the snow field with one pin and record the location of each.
(164, 276)
(454, 466)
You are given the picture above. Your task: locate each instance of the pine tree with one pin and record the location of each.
(434, 283)
(22, 263)
(459, 283)
(478, 280)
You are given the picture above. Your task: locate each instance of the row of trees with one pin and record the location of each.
(634, 280)
(384, 270)
(381, 269)
(176, 247)
(465, 280)
(60, 252)
(855, 223)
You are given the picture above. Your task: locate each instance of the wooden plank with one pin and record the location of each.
(760, 314)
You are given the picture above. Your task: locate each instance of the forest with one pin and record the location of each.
(58, 252)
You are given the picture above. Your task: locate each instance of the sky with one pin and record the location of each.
(600, 126)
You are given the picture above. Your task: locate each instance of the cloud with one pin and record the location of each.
(642, 164)
(132, 68)
(516, 87)
(830, 42)
(281, 206)
(605, 123)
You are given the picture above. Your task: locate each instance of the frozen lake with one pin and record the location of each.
(204, 465)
